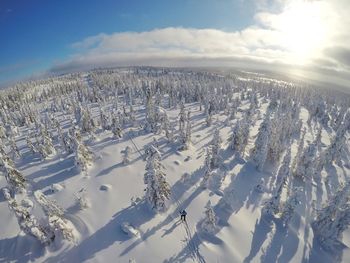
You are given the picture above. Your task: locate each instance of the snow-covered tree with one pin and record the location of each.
(116, 128)
(215, 150)
(126, 155)
(55, 217)
(272, 206)
(334, 150)
(276, 139)
(104, 121)
(14, 178)
(157, 188)
(50, 207)
(68, 143)
(132, 117)
(235, 139)
(48, 146)
(182, 121)
(81, 199)
(31, 146)
(259, 152)
(78, 112)
(14, 149)
(83, 157)
(92, 137)
(290, 205)
(188, 133)
(209, 222)
(26, 221)
(209, 117)
(87, 122)
(333, 218)
(239, 138)
(2, 132)
(168, 129)
(306, 162)
(299, 151)
(185, 129)
(231, 113)
(150, 118)
(207, 168)
(318, 140)
(4, 158)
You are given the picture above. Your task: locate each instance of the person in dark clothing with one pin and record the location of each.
(183, 214)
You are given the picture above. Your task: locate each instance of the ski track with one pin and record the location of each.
(194, 249)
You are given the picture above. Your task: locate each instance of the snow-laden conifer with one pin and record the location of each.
(209, 223)
(157, 188)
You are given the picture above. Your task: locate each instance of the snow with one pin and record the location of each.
(117, 223)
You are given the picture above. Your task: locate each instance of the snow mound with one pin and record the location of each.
(188, 158)
(129, 230)
(105, 187)
(177, 162)
(83, 202)
(6, 193)
(27, 203)
(56, 188)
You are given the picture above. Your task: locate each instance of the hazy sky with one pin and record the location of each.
(39, 37)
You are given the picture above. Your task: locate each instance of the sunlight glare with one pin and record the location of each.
(303, 31)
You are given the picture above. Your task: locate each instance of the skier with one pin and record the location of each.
(183, 214)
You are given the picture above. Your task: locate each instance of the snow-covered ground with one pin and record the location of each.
(116, 223)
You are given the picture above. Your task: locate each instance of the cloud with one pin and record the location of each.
(339, 54)
(174, 44)
(300, 34)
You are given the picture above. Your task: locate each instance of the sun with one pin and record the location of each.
(303, 30)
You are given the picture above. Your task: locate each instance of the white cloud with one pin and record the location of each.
(304, 33)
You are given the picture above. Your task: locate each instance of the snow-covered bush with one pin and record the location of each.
(128, 229)
(82, 200)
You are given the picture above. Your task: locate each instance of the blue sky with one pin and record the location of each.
(37, 33)
(48, 36)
